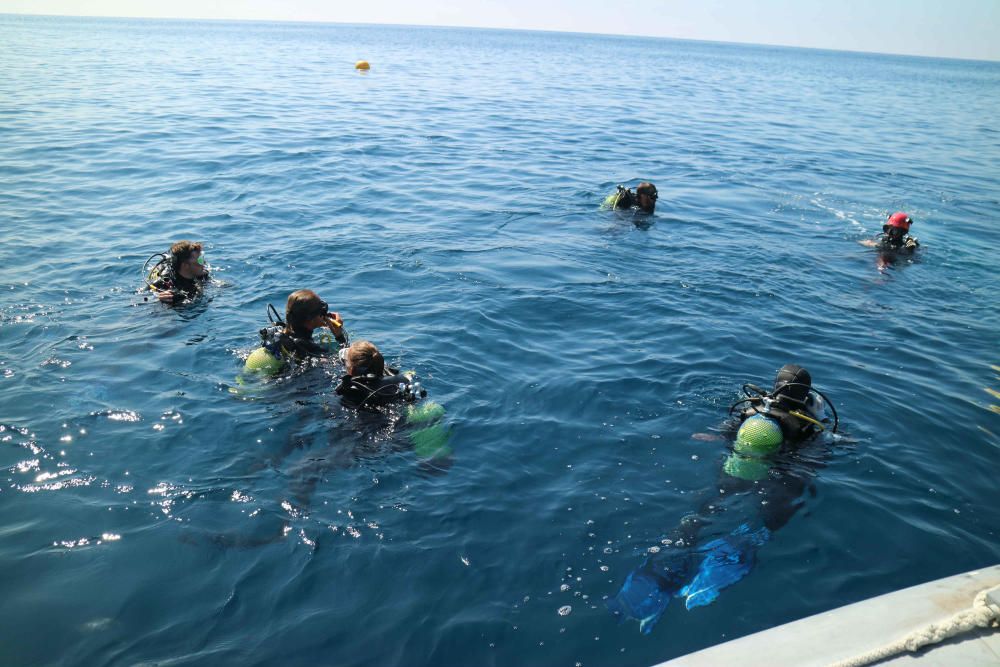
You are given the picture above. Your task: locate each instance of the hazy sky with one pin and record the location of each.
(950, 28)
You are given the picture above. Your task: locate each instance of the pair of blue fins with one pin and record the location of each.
(649, 588)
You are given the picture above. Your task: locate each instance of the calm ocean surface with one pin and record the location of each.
(446, 204)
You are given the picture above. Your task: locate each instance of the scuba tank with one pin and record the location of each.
(808, 405)
(621, 198)
(268, 359)
(771, 424)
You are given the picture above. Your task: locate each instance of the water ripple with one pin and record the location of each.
(585, 358)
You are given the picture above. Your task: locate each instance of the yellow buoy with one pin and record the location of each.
(362, 64)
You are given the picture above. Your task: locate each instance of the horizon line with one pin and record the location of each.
(474, 27)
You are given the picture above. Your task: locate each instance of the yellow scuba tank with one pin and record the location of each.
(758, 437)
(262, 361)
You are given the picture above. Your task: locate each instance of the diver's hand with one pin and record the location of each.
(165, 297)
(335, 323)
(868, 243)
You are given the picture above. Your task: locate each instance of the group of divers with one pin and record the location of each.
(767, 427)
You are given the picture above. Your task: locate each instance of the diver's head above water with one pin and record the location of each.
(792, 382)
(896, 227)
(363, 358)
(305, 312)
(646, 196)
(187, 261)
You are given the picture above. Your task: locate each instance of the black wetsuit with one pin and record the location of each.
(285, 345)
(368, 391)
(905, 244)
(185, 288)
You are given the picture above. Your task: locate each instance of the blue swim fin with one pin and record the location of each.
(727, 560)
(647, 589)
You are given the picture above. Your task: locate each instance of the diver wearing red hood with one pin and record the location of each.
(895, 235)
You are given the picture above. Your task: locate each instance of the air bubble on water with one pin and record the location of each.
(565, 610)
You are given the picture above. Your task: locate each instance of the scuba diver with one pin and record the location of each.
(895, 235)
(370, 387)
(643, 199)
(178, 276)
(792, 404)
(768, 465)
(292, 339)
(368, 383)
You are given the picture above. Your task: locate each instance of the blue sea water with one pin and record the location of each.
(153, 511)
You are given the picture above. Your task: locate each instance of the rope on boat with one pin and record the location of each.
(984, 612)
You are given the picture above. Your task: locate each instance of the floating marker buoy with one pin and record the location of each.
(362, 64)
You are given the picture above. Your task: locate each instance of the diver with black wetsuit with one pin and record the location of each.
(369, 383)
(793, 403)
(643, 198)
(895, 237)
(768, 466)
(292, 339)
(180, 275)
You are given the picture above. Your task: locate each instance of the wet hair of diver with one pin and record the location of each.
(181, 251)
(303, 305)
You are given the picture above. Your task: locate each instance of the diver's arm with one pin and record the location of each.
(869, 243)
(336, 326)
(163, 288)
